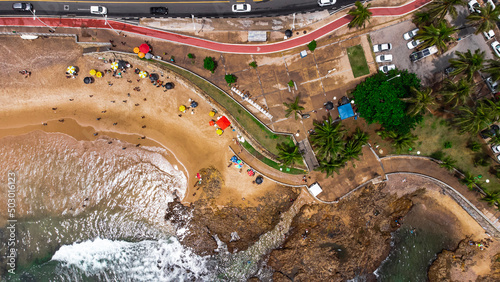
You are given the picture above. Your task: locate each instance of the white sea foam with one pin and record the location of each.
(164, 260)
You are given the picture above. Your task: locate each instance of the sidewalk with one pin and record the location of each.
(207, 44)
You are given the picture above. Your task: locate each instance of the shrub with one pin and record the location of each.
(291, 83)
(474, 146)
(481, 160)
(253, 64)
(447, 145)
(312, 45)
(191, 55)
(209, 64)
(438, 155)
(230, 78)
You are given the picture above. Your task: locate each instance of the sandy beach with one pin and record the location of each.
(47, 96)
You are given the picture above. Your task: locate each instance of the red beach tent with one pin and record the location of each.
(223, 123)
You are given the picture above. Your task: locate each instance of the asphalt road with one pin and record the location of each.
(177, 8)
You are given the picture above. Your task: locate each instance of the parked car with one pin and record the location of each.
(323, 3)
(383, 58)
(98, 10)
(473, 6)
(495, 149)
(492, 85)
(496, 47)
(22, 7)
(414, 43)
(382, 47)
(387, 68)
(489, 35)
(410, 34)
(241, 8)
(417, 55)
(158, 10)
(489, 132)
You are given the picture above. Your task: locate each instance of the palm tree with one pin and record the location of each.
(442, 7)
(491, 198)
(486, 19)
(448, 163)
(473, 119)
(457, 93)
(294, 107)
(404, 141)
(360, 136)
(360, 14)
(327, 139)
(438, 35)
(420, 101)
(352, 150)
(493, 68)
(492, 108)
(329, 167)
(288, 153)
(422, 19)
(467, 62)
(386, 134)
(469, 180)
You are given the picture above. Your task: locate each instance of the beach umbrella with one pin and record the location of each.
(194, 104)
(137, 50)
(141, 55)
(211, 113)
(234, 159)
(70, 69)
(144, 48)
(182, 108)
(259, 180)
(88, 80)
(154, 77)
(148, 56)
(198, 175)
(169, 85)
(123, 64)
(288, 33)
(92, 72)
(114, 65)
(328, 105)
(250, 172)
(143, 74)
(98, 74)
(219, 131)
(211, 123)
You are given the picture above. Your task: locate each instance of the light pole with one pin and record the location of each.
(394, 77)
(37, 18)
(194, 26)
(106, 21)
(293, 24)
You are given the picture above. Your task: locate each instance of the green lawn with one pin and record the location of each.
(253, 126)
(358, 61)
(434, 132)
(271, 163)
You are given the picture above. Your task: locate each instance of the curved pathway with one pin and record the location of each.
(207, 44)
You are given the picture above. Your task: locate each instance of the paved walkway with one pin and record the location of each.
(207, 44)
(425, 166)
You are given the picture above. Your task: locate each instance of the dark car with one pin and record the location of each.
(449, 70)
(490, 132)
(22, 7)
(158, 10)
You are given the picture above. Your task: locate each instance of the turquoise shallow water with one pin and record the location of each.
(415, 246)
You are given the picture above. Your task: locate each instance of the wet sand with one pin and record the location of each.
(47, 96)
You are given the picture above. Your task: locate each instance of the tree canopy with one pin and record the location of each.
(378, 99)
(209, 64)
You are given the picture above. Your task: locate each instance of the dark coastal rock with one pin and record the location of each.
(205, 219)
(340, 242)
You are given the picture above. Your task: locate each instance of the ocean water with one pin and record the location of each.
(91, 211)
(415, 246)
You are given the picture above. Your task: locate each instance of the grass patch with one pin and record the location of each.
(358, 61)
(269, 162)
(254, 127)
(434, 131)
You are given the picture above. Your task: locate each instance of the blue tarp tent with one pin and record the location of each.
(345, 111)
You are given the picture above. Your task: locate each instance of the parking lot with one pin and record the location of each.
(429, 69)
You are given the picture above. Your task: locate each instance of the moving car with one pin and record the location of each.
(241, 8)
(473, 6)
(410, 34)
(21, 7)
(492, 85)
(489, 35)
(383, 58)
(414, 43)
(489, 132)
(417, 55)
(98, 10)
(382, 47)
(323, 3)
(496, 47)
(158, 10)
(387, 68)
